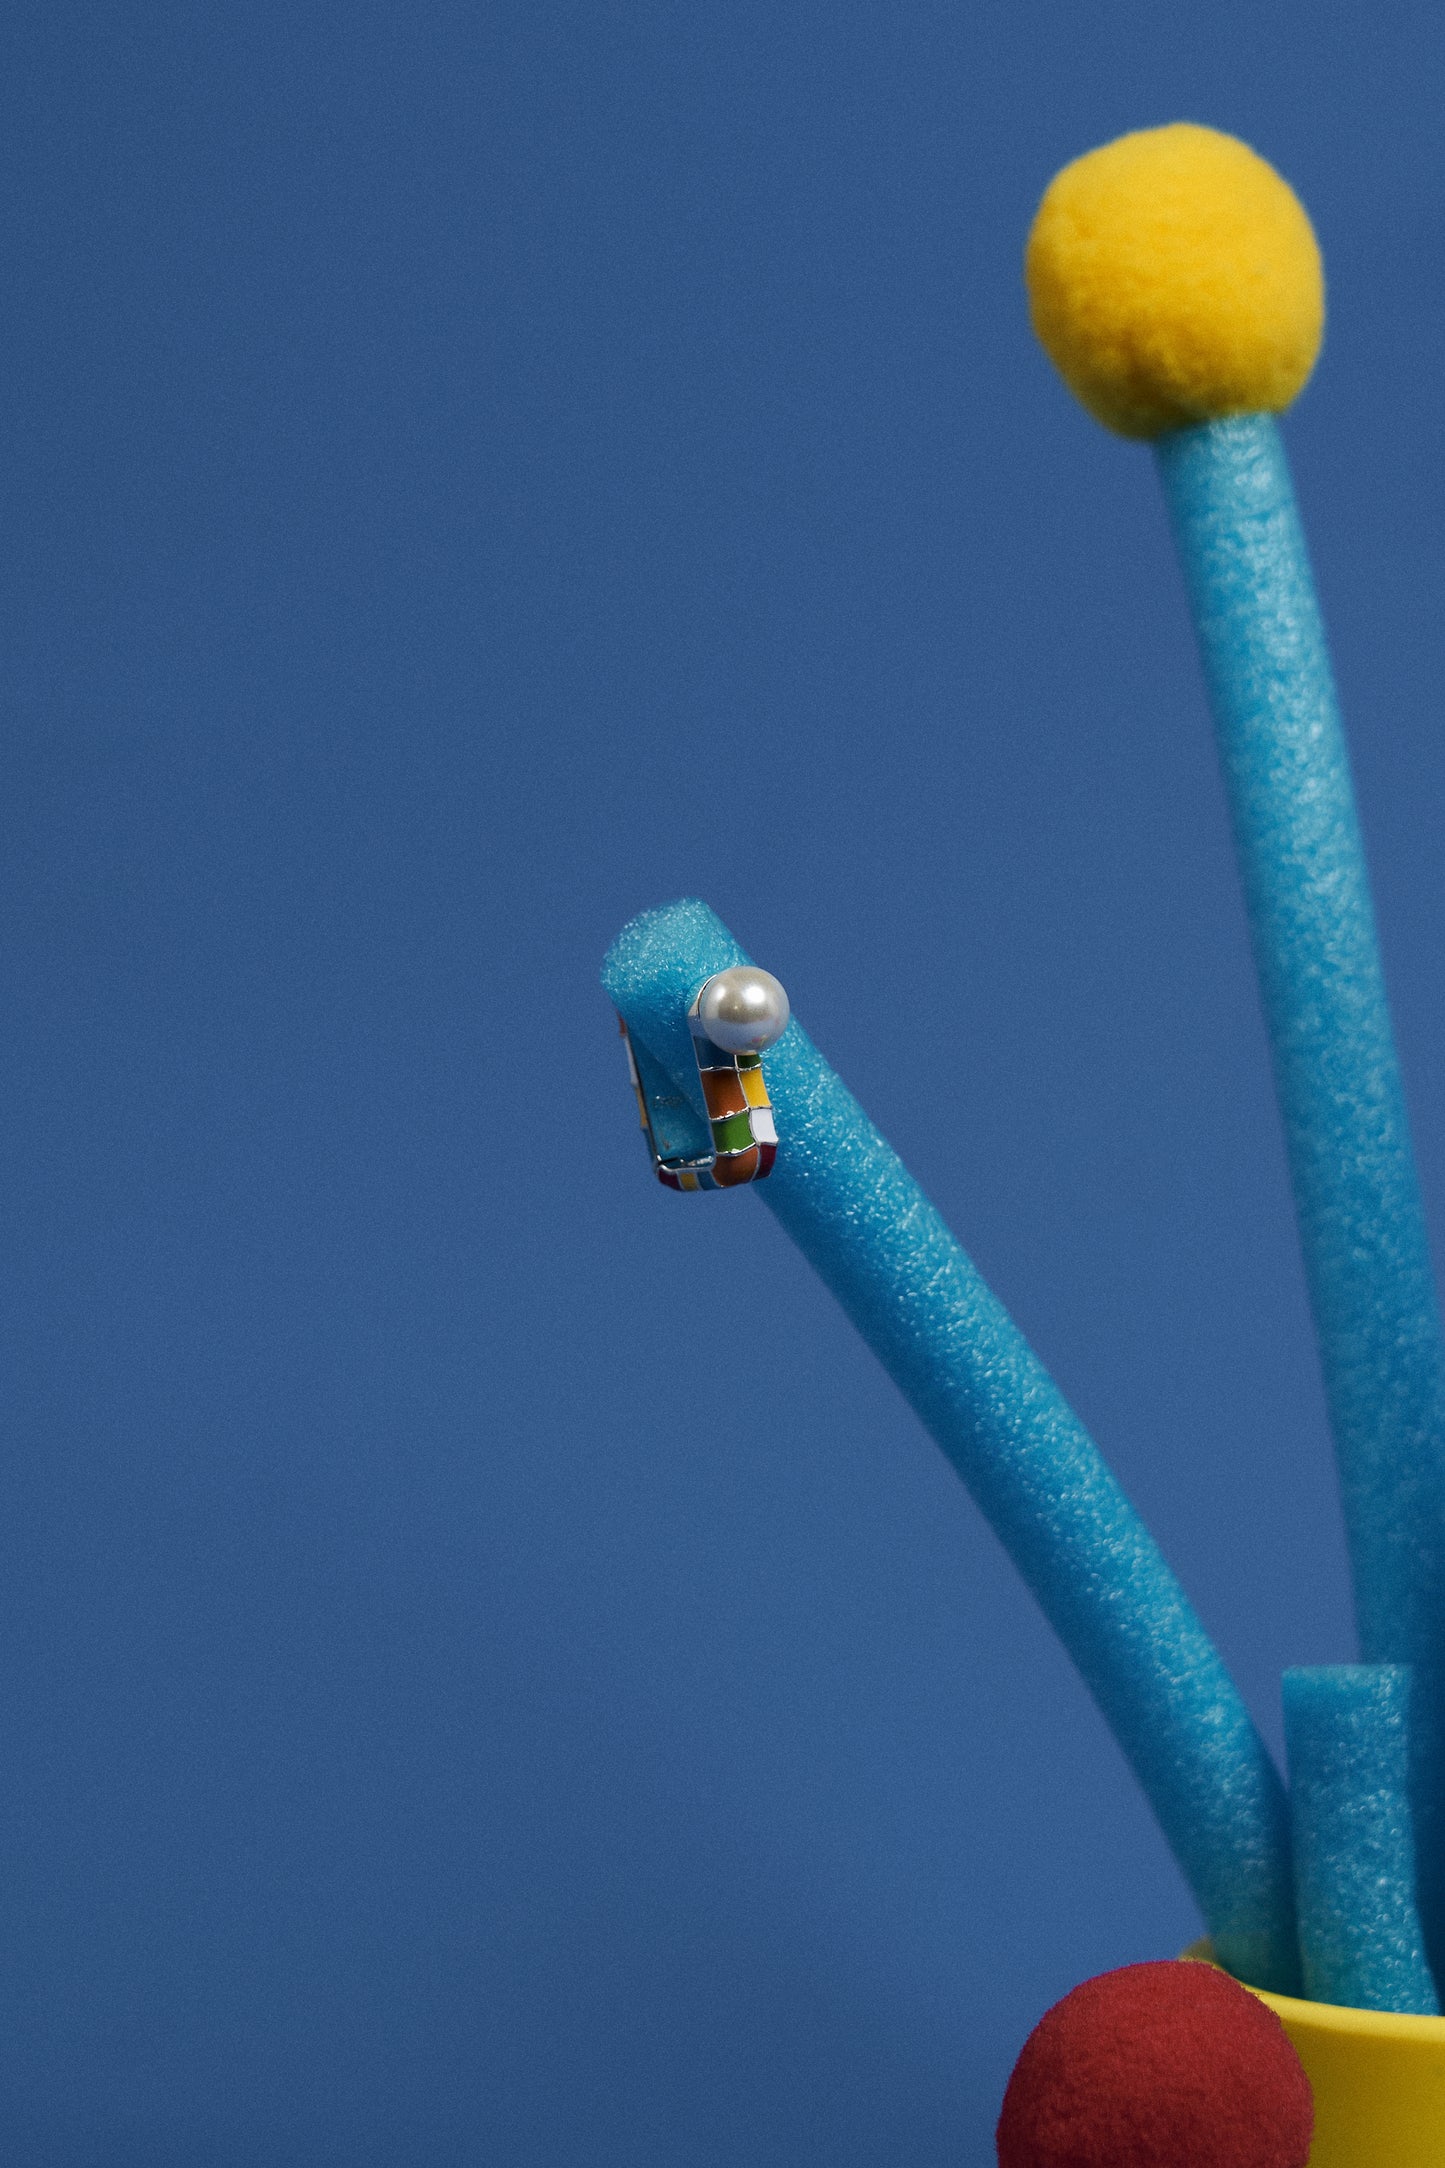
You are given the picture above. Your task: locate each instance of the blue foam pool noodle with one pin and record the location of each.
(879, 1245)
(1347, 1728)
(1357, 1195)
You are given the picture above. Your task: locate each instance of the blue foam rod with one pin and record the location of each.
(1347, 1727)
(1357, 1196)
(878, 1244)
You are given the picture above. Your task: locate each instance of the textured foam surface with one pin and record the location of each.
(1157, 2066)
(1173, 277)
(1362, 1225)
(876, 1241)
(1348, 1732)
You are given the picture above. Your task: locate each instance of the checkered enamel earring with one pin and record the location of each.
(734, 1017)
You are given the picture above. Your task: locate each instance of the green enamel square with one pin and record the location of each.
(732, 1133)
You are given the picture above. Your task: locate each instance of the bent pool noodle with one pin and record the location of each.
(1357, 1196)
(875, 1240)
(1347, 1727)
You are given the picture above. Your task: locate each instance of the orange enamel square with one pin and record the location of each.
(722, 1089)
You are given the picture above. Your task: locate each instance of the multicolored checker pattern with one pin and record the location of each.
(740, 1116)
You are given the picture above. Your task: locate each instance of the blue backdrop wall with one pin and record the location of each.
(472, 473)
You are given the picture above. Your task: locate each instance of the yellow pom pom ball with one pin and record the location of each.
(1173, 277)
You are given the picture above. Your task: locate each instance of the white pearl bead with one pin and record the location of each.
(743, 1010)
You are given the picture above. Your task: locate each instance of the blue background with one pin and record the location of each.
(491, 1673)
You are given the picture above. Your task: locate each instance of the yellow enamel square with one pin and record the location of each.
(755, 1091)
(688, 1181)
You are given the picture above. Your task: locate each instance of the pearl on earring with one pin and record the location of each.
(743, 1010)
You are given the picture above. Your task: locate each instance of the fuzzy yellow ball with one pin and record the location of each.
(1174, 277)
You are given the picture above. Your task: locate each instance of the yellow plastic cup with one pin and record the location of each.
(1378, 2079)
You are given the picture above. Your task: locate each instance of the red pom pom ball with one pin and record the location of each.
(1160, 2066)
